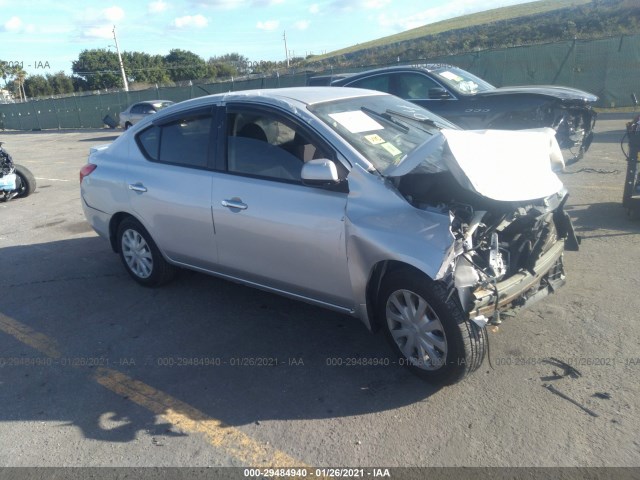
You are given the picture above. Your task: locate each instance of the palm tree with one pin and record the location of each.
(19, 75)
(5, 71)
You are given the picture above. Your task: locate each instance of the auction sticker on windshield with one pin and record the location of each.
(356, 121)
(374, 139)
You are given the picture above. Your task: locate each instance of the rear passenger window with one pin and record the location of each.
(182, 142)
(378, 82)
(186, 142)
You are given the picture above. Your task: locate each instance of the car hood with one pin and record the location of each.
(565, 94)
(497, 164)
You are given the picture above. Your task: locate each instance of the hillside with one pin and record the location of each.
(535, 22)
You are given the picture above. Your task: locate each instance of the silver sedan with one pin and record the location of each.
(350, 199)
(137, 111)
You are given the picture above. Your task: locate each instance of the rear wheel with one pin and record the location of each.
(429, 332)
(26, 182)
(140, 255)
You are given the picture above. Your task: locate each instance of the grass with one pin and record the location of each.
(465, 21)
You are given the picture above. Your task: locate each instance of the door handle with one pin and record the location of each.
(137, 187)
(234, 203)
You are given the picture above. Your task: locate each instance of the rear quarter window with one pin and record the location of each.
(149, 142)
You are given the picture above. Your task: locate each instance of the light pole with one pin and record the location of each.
(284, 37)
(124, 77)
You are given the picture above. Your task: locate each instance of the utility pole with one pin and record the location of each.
(124, 77)
(286, 52)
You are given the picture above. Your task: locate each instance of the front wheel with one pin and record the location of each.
(26, 182)
(140, 255)
(427, 329)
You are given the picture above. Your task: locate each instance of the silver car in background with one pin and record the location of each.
(137, 111)
(350, 199)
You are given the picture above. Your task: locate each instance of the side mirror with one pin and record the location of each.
(438, 93)
(319, 172)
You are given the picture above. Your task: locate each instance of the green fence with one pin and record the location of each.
(608, 67)
(89, 111)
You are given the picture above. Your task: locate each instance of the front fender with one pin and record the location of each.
(382, 226)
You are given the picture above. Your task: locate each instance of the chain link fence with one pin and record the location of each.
(609, 68)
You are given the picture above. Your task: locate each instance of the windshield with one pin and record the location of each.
(461, 80)
(383, 128)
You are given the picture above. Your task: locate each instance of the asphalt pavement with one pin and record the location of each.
(96, 371)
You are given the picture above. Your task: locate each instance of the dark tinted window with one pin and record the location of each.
(181, 142)
(378, 82)
(413, 85)
(186, 141)
(138, 108)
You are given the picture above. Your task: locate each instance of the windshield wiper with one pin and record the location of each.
(426, 121)
(386, 116)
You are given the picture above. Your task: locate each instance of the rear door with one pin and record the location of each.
(170, 190)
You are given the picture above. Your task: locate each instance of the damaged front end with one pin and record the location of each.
(507, 259)
(574, 126)
(508, 224)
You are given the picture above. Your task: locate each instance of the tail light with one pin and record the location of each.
(87, 170)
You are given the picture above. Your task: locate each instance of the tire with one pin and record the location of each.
(26, 183)
(452, 346)
(140, 255)
(127, 125)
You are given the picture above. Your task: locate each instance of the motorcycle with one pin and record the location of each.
(15, 180)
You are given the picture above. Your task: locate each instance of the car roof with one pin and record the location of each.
(151, 102)
(422, 67)
(300, 95)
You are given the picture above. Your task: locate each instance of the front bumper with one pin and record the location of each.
(520, 288)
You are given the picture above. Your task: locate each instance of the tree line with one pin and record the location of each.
(99, 69)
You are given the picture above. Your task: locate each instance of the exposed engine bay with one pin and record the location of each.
(504, 254)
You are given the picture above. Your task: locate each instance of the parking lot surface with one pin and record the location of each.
(98, 371)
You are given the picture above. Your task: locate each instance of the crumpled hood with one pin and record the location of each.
(565, 94)
(502, 165)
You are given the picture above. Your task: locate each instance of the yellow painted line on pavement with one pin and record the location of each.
(28, 336)
(230, 440)
(187, 418)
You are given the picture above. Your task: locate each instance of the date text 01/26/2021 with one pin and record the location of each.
(303, 472)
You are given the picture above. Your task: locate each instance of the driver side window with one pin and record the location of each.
(377, 82)
(413, 86)
(264, 145)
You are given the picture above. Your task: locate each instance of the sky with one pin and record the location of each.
(46, 36)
